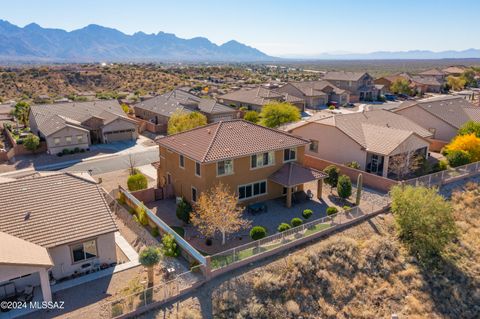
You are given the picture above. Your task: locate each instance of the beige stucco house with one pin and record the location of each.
(79, 124)
(255, 162)
(53, 225)
(316, 93)
(441, 116)
(371, 139)
(360, 85)
(159, 109)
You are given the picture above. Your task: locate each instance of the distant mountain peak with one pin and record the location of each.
(98, 43)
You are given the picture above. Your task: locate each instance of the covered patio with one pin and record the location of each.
(293, 176)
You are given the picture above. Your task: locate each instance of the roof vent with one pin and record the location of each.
(27, 216)
(281, 140)
(208, 131)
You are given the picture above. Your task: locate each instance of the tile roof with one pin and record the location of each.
(425, 80)
(292, 174)
(452, 110)
(343, 76)
(54, 209)
(50, 118)
(454, 70)
(19, 252)
(179, 100)
(315, 88)
(228, 139)
(432, 72)
(259, 96)
(378, 131)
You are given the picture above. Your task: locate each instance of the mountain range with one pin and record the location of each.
(95, 43)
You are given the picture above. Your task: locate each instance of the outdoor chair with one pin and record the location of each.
(27, 294)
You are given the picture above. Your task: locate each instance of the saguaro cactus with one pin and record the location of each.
(359, 189)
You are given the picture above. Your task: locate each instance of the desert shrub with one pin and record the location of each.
(170, 247)
(252, 116)
(131, 210)
(380, 256)
(292, 307)
(258, 232)
(189, 313)
(142, 215)
(332, 210)
(183, 211)
(117, 309)
(458, 158)
(440, 166)
(283, 227)
(341, 255)
(121, 198)
(296, 222)
(31, 142)
(353, 164)
(332, 175)
(137, 182)
(424, 221)
(344, 187)
(307, 213)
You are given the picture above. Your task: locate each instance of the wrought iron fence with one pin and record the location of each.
(446, 176)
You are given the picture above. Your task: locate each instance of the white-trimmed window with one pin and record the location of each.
(289, 154)
(262, 160)
(194, 194)
(181, 161)
(84, 251)
(198, 169)
(79, 139)
(252, 190)
(225, 168)
(68, 139)
(56, 141)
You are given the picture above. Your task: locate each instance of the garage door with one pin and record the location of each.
(121, 135)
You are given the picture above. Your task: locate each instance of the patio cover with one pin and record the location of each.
(292, 174)
(19, 252)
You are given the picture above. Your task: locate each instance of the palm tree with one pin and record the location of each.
(149, 257)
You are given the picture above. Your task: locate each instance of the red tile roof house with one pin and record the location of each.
(52, 225)
(257, 163)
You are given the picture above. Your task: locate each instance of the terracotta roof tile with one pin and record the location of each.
(292, 174)
(228, 139)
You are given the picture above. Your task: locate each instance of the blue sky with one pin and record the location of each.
(280, 28)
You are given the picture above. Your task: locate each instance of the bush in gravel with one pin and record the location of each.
(170, 247)
(296, 222)
(137, 182)
(283, 227)
(332, 210)
(344, 187)
(307, 213)
(258, 232)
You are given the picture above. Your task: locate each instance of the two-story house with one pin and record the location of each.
(256, 162)
(360, 84)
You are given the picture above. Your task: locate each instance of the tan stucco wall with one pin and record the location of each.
(67, 131)
(184, 179)
(411, 144)
(443, 131)
(120, 124)
(333, 144)
(63, 262)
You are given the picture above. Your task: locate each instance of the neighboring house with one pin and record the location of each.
(315, 93)
(256, 162)
(441, 116)
(80, 124)
(425, 84)
(387, 81)
(360, 84)
(433, 73)
(53, 225)
(454, 70)
(256, 98)
(371, 139)
(159, 109)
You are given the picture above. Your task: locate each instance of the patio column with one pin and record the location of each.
(319, 188)
(45, 285)
(385, 166)
(289, 197)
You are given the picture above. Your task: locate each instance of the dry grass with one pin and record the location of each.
(365, 273)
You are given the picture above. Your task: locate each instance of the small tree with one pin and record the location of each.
(182, 121)
(401, 86)
(274, 114)
(170, 247)
(258, 232)
(252, 116)
(458, 158)
(217, 211)
(456, 83)
(31, 142)
(424, 220)
(149, 257)
(137, 182)
(183, 211)
(469, 143)
(344, 187)
(21, 111)
(470, 127)
(332, 175)
(404, 163)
